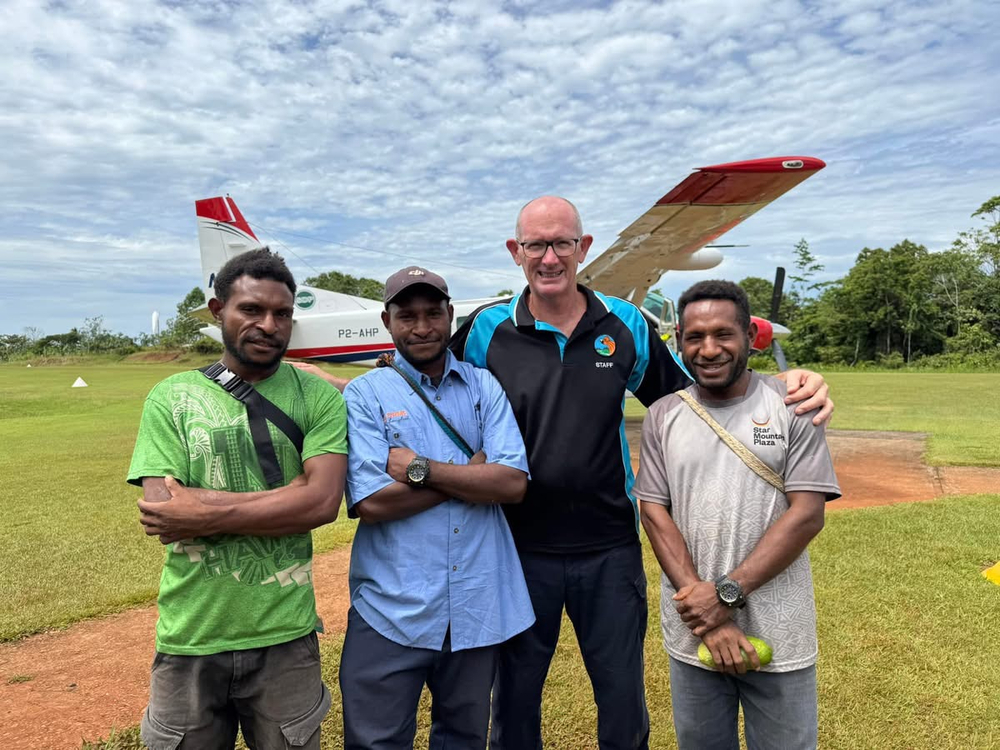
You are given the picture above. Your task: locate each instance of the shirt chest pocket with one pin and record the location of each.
(405, 432)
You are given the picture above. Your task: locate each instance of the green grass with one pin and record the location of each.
(908, 647)
(72, 545)
(960, 411)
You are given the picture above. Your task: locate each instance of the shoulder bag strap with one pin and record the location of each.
(387, 361)
(260, 411)
(759, 468)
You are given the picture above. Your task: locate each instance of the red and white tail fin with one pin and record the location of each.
(223, 233)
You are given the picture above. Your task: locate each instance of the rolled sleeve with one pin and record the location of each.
(368, 449)
(502, 440)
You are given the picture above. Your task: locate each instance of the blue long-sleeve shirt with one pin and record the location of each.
(453, 565)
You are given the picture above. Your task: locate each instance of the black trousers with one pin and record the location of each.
(604, 594)
(381, 682)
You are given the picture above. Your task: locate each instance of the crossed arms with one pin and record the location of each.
(173, 512)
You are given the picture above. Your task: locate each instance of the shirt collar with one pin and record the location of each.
(450, 367)
(521, 316)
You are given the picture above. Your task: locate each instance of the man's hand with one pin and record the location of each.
(700, 608)
(183, 516)
(478, 458)
(725, 643)
(809, 391)
(399, 459)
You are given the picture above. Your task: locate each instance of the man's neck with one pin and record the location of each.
(433, 370)
(736, 390)
(249, 374)
(562, 312)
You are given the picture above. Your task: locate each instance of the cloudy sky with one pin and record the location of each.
(363, 136)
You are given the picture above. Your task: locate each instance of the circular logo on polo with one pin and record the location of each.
(605, 345)
(305, 300)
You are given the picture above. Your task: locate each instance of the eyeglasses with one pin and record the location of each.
(562, 247)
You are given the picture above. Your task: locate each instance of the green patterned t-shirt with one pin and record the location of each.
(230, 592)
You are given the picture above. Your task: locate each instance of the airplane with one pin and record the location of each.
(674, 235)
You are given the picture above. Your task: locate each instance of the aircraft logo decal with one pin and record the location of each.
(605, 345)
(305, 300)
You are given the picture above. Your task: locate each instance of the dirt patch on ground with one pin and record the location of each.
(60, 687)
(882, 468)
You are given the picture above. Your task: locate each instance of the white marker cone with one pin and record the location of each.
(79, 383)
(29, 365)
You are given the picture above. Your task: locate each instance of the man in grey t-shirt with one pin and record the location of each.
(731, 546)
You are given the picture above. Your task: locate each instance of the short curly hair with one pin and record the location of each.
(717, 289)
(257, 264)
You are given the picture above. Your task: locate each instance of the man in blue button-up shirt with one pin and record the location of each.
(435, 579)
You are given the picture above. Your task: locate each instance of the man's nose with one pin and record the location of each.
(268, 324)
(550, 257)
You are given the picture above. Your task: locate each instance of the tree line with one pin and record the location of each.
(895, 307)
(904, 305)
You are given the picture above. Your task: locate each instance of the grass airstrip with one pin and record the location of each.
(907, 625)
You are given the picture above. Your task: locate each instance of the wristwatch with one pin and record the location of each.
(418, 471)
(729, 592)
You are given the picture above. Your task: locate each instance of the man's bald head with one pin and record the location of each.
(547, 205)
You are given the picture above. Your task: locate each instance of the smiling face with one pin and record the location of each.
(256, 323)
(548, 219)
(419, 322)
(715, 347)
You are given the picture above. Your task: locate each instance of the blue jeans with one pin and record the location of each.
(779, 708)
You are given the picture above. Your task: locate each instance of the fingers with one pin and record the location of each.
(824, 414)
(683, 591)
(751, 652)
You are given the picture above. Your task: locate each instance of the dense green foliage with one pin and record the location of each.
(335, 281)
(897, 307)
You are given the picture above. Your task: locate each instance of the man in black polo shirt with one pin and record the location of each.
(565, 356)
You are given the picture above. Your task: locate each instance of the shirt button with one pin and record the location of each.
(437, 398)
(395, 434)
(454, 567)
(451, 461)
(456, 529)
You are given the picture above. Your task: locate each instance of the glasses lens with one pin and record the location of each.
(537, 248)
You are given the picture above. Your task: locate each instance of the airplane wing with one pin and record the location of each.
(706, 205)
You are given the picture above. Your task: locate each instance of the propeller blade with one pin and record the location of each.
(779, 356)
(779, 287)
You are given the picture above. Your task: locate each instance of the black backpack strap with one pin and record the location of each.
(260, 411)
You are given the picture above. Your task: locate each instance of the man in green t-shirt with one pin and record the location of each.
(236, 639)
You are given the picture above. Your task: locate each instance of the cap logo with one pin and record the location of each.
(605, 345)
(416, 272)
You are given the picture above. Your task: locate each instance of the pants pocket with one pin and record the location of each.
(158, 736)
(300, 730)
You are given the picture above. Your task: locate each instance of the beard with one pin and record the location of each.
(426, 358)
(738, 365)
(239, 350)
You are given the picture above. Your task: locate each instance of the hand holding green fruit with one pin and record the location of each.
(763, 653)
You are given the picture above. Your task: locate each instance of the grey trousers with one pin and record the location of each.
(274, 694)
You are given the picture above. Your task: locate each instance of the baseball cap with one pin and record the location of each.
(410, 276)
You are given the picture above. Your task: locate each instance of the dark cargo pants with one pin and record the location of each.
(274, 694)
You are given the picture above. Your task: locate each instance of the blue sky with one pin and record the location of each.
(364, 136)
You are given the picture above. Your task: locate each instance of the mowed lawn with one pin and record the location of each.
(909, 650)
(71, 544)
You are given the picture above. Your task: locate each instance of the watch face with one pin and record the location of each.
(417, 472)
(729, 591)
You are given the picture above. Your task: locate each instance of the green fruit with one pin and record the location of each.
(763, 653)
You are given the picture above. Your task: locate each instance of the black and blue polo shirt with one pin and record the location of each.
(568, 396)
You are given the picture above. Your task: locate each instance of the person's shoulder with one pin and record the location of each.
(179, 382)
(368, 384)
(665, 404)
(771, 382)
(622, 308)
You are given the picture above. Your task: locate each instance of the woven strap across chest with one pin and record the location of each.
(758, 467)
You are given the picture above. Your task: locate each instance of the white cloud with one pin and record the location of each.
(416, 131)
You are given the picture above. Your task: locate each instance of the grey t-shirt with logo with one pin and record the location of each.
(722, 508)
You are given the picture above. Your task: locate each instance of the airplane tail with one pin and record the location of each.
(223, 233)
